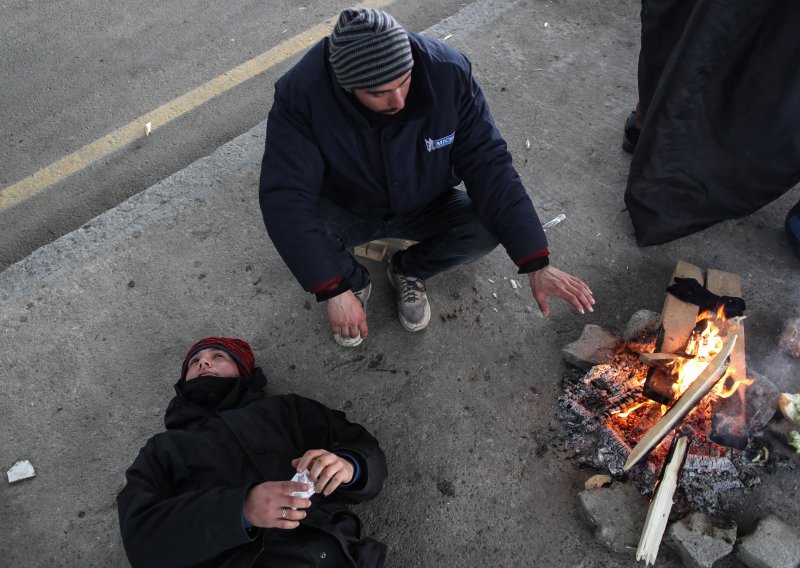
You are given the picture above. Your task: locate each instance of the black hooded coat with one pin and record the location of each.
(183, 501)
(720, 82)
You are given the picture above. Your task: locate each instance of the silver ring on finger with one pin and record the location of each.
(283, 513)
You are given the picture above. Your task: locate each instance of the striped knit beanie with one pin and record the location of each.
(238, 349)
(368, 49)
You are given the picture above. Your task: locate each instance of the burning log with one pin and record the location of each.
(686, 403)
(658, 514)
(660, 386)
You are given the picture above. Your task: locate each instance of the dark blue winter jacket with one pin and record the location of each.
(320, 144)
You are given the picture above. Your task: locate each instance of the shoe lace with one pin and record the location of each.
(411, 288)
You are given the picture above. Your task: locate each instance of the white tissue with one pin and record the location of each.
(302, 477)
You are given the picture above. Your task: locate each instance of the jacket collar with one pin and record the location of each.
(181, 412)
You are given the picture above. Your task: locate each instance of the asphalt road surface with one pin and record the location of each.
(77, 75)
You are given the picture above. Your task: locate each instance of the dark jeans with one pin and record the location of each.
(448, 232)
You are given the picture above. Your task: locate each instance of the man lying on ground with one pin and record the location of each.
(215, 489)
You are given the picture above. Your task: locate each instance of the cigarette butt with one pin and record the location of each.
(527, 144)
(514, 284)
(448, 36)
(148, 128)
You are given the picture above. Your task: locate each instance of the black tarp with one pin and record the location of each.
(721, 135)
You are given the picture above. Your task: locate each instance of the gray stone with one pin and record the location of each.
(594, 347)
(773, 544)
(641, 331)
(761, 400)
(615, 513)
(790, 338)
(701, 540)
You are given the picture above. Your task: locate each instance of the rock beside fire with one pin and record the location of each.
(790, 338)
(761, 401)
(616, 514)
(594, 347)
(641, 331)
(773, 544)
(701, 540)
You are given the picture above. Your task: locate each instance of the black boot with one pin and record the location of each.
(631, 135)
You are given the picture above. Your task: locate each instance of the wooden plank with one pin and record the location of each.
(678, 317)
(725, 430)
(381, 249)
(658, 514)
(375, 250)
(729, 284)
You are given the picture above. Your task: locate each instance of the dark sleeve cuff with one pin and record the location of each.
(352, 458)
(533, 265)
(331, 289)
(534, 261)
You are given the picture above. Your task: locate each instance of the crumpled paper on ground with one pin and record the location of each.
(302, 477)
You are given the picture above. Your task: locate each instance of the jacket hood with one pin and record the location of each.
(184, 409)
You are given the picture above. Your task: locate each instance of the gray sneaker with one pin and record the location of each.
(412, 300)
(363, 296)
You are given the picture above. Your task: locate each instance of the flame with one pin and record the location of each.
(702, 348)
(725, 392)
(627, 411)
(704, 344)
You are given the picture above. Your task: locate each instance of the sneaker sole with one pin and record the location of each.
(348, 341)
(422, 324)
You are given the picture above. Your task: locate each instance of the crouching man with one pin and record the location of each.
(215, 489)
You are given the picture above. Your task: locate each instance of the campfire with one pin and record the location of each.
(685, 391)
(669, 410)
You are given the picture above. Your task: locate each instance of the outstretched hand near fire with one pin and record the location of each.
(550, 281)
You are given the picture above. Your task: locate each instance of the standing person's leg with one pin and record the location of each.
(663, 23)
(449, 234)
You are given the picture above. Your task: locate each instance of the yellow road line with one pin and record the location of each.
(168, 112)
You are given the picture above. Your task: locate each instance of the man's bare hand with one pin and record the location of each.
(271, 505)
(347, 316)
(327, 470)
(550, 281)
